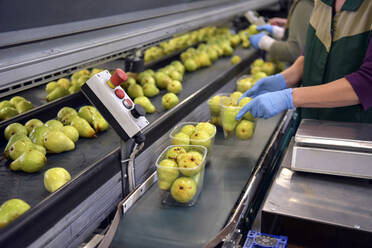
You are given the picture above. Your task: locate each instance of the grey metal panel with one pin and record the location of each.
(28, 61)
(328, 200)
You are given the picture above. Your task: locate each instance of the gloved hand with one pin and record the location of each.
(264, 85)
(269, 104)
(274, 31)
(261, 41)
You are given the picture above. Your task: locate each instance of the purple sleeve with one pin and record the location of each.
(361, 80)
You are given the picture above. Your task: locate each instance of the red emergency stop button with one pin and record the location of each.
(127, 103)
(118, 77)
(120, 93)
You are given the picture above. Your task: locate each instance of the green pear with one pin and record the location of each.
(188, 129)
(58, 92)
(71, 132)
(204, 59)
(258, 76)
(33, 123)
(167, 172)
(244, 130)
(24, 106)
(82, 79)
(14, 139)
(11, 210)
(128, 83)
(57, 142)
(246, 44)
(19, 147)
(64, 82)
(17, 99)
(214, 105)
(150, 71)
(74, 88)
(258, 62)
(183, 189)
(14, 128)
(207, 127)
(147, 79)
(244, 84)
(99, 123)
(146, 104)
(150, 90)
(268, 68)
(87, 113)
(181, 139)
(236, 96)
(169, 100)
(29, 161)
(135, 90)
(143, 75)
(200, 137)
(38, 148)
(38, 133)
(235, 40)
(179, 67)
(174, 87)
(191, 65)
(162, 79)
(235, 60)
(7, 113)
(248, 116)
(173, 152)
(227, 50)
(6, 103)
(190, 163)
(196, 178)
(216, 120)
(175, 75)
(65, 111)
(51, 86)
(228, 118)
(255, 70)
(54, 125)
(83, 127)
(55, 178)
(95, 71)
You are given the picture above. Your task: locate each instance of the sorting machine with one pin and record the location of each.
(48, 47)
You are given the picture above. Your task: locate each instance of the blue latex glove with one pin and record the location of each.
(269, 104)
(255, 39)
(264, 85)
(266, 27)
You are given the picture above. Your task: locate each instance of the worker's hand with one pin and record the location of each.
(269, 104)
(267, 84)
(261, 41)
(274, 31)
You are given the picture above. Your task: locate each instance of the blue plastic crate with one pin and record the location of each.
(262, 240)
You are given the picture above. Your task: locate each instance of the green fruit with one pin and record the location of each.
(162, 79)
(268, 68)
(244, 84)
(258, 62)
(174, 87)
(235, 96)
(248, 116)
(54, 125)
(99, 123)
(244, 130)
(146, 104)
(71, 132)
(174, 152)
(17, 99)
(33, 123)
(252, 29)
(51, 86)
(6, 103)
(206, 127)
(181, 139)
(214, 105)
(83, 127)
(258, 76)
(212, 54)
(87, 113)
(167, 172)
(57, 142)
(151, 72)
(38, 133)
(14, 139)
(183, 189)
(95, 71)
(235, 60)
(196, 178)
(175, 75)
(190, 163)
(64, 82)
(128, 83)
(14, 128)
(188, 129)
(58, 92)
(246, 44)
(255, 70)
(7, 113)
(228, 118)
(147, 79)
(74, 88)
(82, 79)
(55, 178)
(180, 68)
(191, 65)
(135, 90)
(29, 161)
(150, 90)
(227, 50)
(169, 100)
(142, 75)
(66, 111)
(204, 59)
(24, 106)
(200, 137)
(216, 120)
(11, 210)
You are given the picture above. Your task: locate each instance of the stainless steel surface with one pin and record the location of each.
(330, 200)
(334, 148)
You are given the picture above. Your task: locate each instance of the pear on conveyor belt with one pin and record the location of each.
(11, 210)
(30, 162)
(57, 142)
(17, 99)
(14, 139)
(93, 117)
(71, 132)
(21, 146)
(7, 113)
(55, 178)
(33, 123)
(54, 125)
(146, 104)
(83, 127)
(37, 135)
(58, 92)
(14, 128)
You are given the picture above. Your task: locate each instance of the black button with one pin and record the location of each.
(138, 111)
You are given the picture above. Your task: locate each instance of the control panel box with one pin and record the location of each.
(103, 90)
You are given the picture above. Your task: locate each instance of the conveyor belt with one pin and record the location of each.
(88, 151)
(149, 224)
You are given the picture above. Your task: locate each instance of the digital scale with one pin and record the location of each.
(335, 148)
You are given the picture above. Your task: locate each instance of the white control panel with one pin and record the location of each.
(114, 104)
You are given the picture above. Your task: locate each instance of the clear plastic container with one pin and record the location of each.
(215, 109)
(181, 186)
(244, 83)
(207, 142)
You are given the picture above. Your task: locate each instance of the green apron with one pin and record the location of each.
(336, 45)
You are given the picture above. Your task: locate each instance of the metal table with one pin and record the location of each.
(318, 210)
